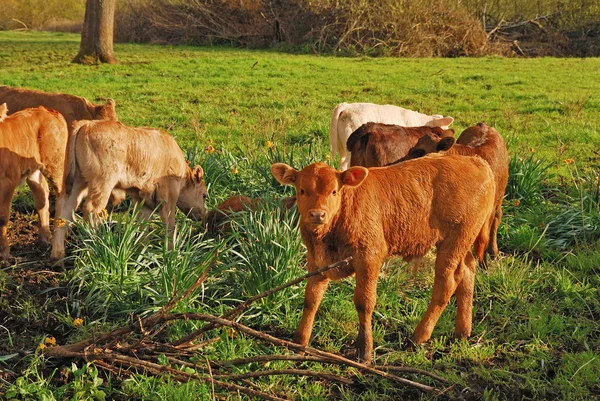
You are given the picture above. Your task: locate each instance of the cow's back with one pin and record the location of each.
(70, 106)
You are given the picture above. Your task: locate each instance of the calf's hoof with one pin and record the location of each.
(42, 243)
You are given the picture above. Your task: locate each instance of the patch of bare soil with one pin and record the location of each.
(31, 295)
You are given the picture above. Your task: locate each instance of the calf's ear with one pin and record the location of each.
(197, 174)
(443, 122)
(354, 176)
(283, 173)
(445, 143)
(448, 132)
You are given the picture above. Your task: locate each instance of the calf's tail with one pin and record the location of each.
(70, 159)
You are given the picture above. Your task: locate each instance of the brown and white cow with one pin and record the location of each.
(376, 145)
(480, 140)
(3, 111)
(108, 159)
(347, 117)
(32, 145)
(400, 210)
(71, 107)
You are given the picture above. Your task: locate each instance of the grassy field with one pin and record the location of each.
(536, 328)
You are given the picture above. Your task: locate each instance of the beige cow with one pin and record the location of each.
(70, 106)
(32, 145)
(108, 159)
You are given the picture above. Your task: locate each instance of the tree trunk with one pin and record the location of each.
(97, 33)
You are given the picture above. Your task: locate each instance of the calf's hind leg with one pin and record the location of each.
(40, 191)
(464, 297)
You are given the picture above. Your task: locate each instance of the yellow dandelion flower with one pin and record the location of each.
(235, 170)
(78, 322)
(41, 347)
(569, 161)
(327, 157)
(517, 202)
(60, 222)
(104, 214)
(50, 341)
(210, 149)
(269, 144)
(531, 150)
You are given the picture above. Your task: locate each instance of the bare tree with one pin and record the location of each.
(98, 33)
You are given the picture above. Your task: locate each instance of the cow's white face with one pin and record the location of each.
(318, 189)
(193, 195)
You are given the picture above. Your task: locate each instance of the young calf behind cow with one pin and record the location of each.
(32, 145)
(108, 159)
(483, 141)
(401, 210)
(376, 145)
(347, 117)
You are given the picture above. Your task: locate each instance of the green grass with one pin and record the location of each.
(536, 330)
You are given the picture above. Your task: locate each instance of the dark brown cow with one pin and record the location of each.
(401, 210)
(71, 107)
(32, 145)
(483, 141)
(375, 144)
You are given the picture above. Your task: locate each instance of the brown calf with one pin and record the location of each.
(71, 107)
(375, 144)
(218, 219)
(32, 145)
(483, 141)
(400, 210)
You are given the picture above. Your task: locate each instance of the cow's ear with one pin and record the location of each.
(197, 174)
(283, 173)
(443, 122)
(445, 143)
(354, 176)
(448, 132)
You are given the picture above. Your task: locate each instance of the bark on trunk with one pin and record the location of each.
(97, 33)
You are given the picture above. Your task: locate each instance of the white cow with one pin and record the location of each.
(347, 117)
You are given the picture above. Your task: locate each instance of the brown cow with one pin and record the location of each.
(375, 144)
(218, 219)
(483, 141)
(32, 145)
(71, 107)
(3, 111)
(108, 159)
(400, 210)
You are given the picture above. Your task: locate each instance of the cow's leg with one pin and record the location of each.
(65, 207)
(7, 191)
(313, 295)
(365, 297)
(448, 273)
(464, 298)
(96, 201)
(492, 249)
(40, 191)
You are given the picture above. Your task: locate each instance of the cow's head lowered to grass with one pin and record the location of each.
(193, 194)
(318, 189)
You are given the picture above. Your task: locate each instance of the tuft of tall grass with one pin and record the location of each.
(527, 176)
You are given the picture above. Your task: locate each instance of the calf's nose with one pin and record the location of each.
(317, 215)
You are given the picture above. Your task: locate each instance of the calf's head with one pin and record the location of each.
(105, 111)
(431, 143)
(319, 189)
(193, 194)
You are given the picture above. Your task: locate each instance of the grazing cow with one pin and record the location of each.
(71, 107)
(376, 144)
(400, 210)
(108, 159)
(3, 111)
(347, 117)
(218, 219)
(32, 145)
(483, 141)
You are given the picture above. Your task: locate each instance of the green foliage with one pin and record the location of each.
(527, 176)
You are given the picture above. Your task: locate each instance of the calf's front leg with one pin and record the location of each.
(313, 295)
(40, 191)
(365, 298)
